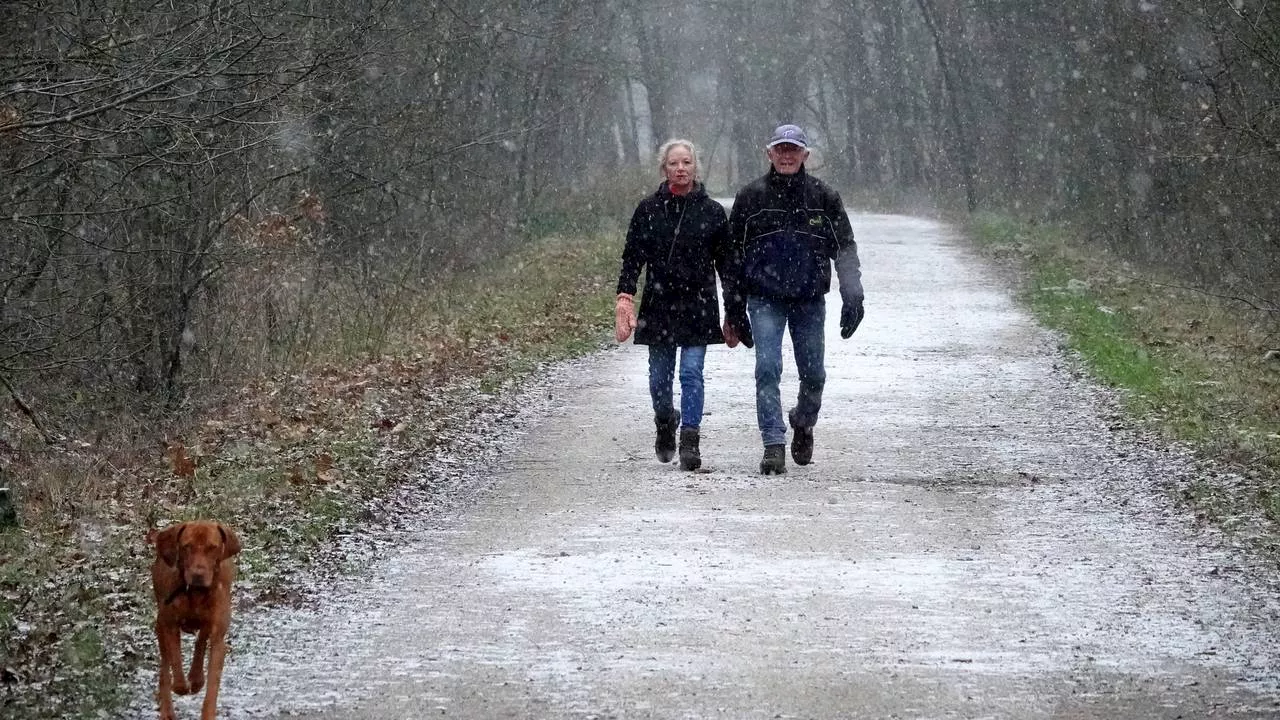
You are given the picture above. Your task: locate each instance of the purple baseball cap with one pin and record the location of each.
(789, 134)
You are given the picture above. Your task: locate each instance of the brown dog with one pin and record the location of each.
(192, 577)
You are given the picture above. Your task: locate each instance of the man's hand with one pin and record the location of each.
(737, 328)
(624, 317)
(850, 318)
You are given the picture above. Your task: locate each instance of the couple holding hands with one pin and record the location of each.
(773, 254)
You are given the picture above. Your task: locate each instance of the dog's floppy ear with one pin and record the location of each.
(230, 541)
(167, 543)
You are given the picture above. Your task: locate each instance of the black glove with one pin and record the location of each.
(741, 327)
(850, 318)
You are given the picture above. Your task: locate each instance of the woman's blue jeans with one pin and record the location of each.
(769, 318)
(662, 370)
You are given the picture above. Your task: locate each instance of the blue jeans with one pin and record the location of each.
(662, 370)
(769, 318)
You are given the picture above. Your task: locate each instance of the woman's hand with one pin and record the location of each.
(624, 316)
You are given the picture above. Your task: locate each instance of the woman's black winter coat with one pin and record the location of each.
(681, 242)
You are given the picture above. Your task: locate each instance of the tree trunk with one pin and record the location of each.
(954, 90)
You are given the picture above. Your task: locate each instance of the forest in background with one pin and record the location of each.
(237, 239)
(196, 192)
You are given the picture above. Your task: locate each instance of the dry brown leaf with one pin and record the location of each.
(182, 465)
(312, 207)
(324, 461)
(9, 117)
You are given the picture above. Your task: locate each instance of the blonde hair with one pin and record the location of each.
(677, 142)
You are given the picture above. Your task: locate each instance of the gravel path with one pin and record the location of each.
(971, 541)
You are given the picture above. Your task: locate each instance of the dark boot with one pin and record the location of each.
(774, 461)
(801, 440)
(690, 459)
(665, 444)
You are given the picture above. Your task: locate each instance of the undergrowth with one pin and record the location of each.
(286, 459)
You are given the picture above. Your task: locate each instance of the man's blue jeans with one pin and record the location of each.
(769, 318)
(662, 370)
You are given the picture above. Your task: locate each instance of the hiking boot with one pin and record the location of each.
(801, 441)
(774, 461)
(689, 457)
(665, 444)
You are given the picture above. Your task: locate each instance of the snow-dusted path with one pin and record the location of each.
(970, 542)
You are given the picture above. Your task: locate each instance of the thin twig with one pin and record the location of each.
(26, 410)
(1200, 290)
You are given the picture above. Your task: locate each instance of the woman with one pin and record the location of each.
(679, 237)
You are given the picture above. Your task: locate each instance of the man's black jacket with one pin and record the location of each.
(784, 233)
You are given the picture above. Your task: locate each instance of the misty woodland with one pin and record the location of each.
(208, 175)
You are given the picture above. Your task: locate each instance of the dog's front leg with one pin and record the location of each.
(180, 686)
(195, 678)
(170, 645)
(217, 654)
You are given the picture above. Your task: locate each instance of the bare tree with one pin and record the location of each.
(200, 177)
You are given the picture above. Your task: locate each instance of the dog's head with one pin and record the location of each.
(197, 549)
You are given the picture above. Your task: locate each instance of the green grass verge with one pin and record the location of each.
(1189, 363)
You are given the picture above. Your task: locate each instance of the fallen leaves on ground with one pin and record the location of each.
(86, 624)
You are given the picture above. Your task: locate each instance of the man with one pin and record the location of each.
(786, 229)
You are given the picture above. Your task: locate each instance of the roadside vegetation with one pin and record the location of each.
(1201, 367)
(289, 459)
